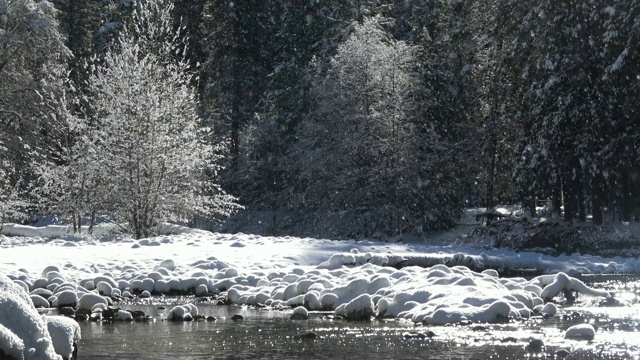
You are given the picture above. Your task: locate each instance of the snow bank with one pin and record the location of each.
(50, 231)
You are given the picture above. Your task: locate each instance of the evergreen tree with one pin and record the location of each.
(236, 38)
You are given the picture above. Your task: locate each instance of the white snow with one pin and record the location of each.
(10, 343)
(357, 280)
(23, 332)
(65, 332)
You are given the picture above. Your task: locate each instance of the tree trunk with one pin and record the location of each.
(92, 221)
(596, 199)
(492, 174)
(582, 211)
(556, 199)
(626, 201)
(570, 206)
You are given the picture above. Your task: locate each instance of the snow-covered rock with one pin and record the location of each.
(67, 298)
(123, 315)
(39, 302)
(89, 300)
(23, 332)
(300, 313)
(179, 313)
(65, 334)
(360, 308)
(580, 332)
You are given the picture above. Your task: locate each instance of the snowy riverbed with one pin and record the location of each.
(355, 280)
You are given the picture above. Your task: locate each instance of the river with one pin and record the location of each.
(269, 334)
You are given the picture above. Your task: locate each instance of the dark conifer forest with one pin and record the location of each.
(389, 116)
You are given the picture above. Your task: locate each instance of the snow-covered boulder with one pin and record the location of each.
(123, 315)
(23, 332)
(300, 313)
(39, 302)
(360, 308)
(67, 298)
(179, 313)
(454, 314)
(89, 300)
(580, 332)
(65, 334)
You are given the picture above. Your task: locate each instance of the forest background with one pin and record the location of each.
(389, 117)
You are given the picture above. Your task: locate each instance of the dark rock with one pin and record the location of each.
(535, 346)
(479, 328)
(237, 317)
(4, 356)
(81, 317)
(83, 312)
(299, 317)
(306, 336)
(138, 314)
(611, 302)
(562, 353)
(67, 311)
(199, 317)
(109, 313)
(74, 353)
(509, 339)
(211, 318)
(418, 335)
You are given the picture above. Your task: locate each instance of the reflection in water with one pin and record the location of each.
(266, 334)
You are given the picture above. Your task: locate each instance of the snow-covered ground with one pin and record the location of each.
(355, 279)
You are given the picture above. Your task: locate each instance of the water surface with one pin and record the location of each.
(269, 334)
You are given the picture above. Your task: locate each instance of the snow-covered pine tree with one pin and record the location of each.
(147, 142)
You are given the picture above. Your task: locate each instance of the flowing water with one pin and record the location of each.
(269, 334)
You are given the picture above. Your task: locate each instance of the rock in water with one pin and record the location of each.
(300, 313)
(535, 346)
(306, 336)
(580, 332)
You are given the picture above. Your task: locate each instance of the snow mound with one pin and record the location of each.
(65, 333)
(22, 329)
(11, 344)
